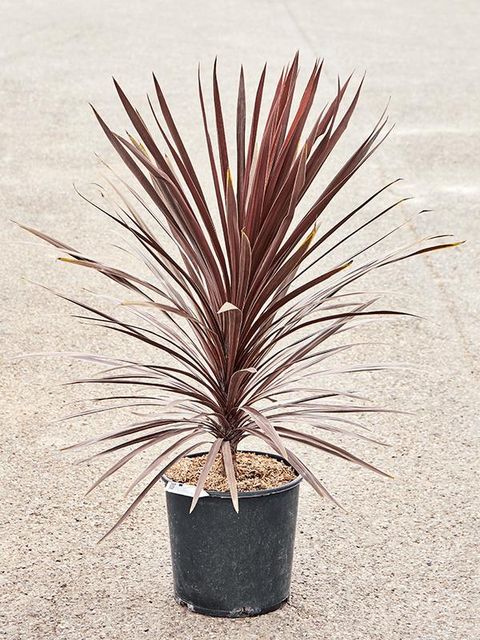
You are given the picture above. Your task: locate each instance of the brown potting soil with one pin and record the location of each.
(253, 471)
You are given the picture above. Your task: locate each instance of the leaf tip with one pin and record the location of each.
(228, 306)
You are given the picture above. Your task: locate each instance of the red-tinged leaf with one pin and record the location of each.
(280, 302)
(312, 480)
(212, 454)
(168, 426)
(211, 156)
(254, 130)
(221, 137)
(55, 243)
(230, 472)
(330, 448)
(155, 437)
(344, 220)
(123, 461)
(189, 173)
(236, 381)
(244, 267)
(241, 118)
(300, 468)
(149, 486)
(266, 426)
(159, 459)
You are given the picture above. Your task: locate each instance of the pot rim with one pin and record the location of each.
(246, 494)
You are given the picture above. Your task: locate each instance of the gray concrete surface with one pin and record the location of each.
(401, 563)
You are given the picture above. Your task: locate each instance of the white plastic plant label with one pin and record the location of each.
(183, 489)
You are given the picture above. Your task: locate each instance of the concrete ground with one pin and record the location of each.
(400, 564)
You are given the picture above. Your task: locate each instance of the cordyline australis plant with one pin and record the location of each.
(237, 308)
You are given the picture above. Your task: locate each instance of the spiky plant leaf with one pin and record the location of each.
(236, 308)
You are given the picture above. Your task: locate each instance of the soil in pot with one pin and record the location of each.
(254, 472)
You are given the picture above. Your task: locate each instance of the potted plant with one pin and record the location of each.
(243, 298)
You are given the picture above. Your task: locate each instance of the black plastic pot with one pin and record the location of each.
(228, 564)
